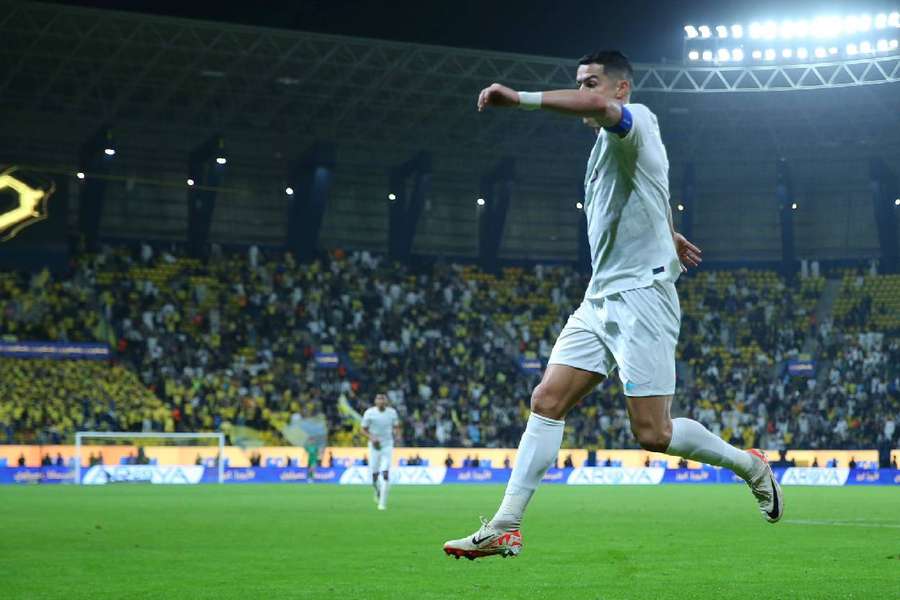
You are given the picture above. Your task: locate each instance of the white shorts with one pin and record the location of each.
(380, 460)
(636, 330)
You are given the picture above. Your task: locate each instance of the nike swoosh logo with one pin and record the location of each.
(773, 514)
(476, 541)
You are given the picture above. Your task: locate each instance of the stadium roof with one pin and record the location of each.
(68, 68)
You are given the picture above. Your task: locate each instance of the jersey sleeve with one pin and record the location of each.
(635, 122)
(367, 419)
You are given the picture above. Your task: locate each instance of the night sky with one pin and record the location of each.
(646, 30)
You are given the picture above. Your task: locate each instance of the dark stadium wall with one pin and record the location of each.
(736, 214)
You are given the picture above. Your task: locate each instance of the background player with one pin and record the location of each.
(630, 316)
(380, 423)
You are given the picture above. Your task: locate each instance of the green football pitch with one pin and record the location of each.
(301, 541)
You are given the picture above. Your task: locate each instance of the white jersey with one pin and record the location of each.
(626, 192)
(381, 423)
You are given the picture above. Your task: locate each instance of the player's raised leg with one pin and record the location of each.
(656, 431)
(560, 389)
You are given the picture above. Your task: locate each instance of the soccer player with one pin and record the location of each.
(630, 316)
(380, 423)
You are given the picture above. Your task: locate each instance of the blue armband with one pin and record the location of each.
(624, 125)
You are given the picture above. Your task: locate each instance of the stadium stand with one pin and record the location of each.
(232, 342)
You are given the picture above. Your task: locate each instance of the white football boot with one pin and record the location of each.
(765, 487)
(487, 541)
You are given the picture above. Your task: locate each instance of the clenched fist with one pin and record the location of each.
(497, 95)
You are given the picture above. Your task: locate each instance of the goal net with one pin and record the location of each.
(103, 457)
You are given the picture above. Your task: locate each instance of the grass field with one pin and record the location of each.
(298, 541)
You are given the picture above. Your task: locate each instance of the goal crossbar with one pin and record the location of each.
(80, 435)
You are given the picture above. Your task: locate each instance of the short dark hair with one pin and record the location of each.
(614, 63)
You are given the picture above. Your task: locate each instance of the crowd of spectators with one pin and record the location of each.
(236, 341)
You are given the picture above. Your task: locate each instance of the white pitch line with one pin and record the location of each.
(844, 523)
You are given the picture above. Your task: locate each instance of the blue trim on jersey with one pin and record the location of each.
(624, 125)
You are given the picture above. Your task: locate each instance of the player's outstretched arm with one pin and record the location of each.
(577, 103)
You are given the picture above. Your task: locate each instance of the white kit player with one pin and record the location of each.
(630, 316)
(380, 423)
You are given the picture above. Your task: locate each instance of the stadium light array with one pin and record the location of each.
(579, 205)
(190, 182)
(79, 175)
(109, 151)
(794, 206)
(289, 191)
(221, 160)
(680, 207)
(897, 202)
(392, 196)
(818, 38)
(480, 202)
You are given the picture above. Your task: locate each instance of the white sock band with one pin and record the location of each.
(530, 101)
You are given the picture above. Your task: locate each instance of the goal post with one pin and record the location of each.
(217, 439)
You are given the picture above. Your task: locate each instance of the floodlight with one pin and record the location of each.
(724, 55)
(289, 191)
(579, 205)
(221, 160)
(693, 55)
(865, 23)
(786, 30)
(802, 53)
(704, 31)
(770, 54)
(737, 31)
(480, 202)
(707, 55)
(737, 54)
(756, 30)
(852, 50)
(722, 31)
(690, 31)
(821, 52)
(757, 54)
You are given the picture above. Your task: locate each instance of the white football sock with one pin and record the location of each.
(538, 448)
(382, 496)
(692, 440)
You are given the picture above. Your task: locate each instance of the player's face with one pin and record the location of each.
(591, 78)
(380, 401)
